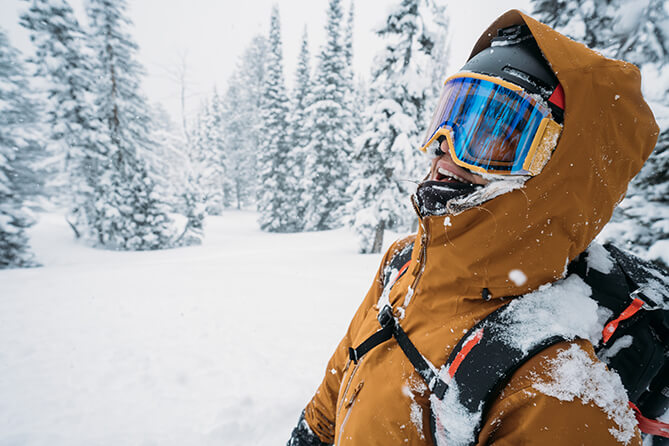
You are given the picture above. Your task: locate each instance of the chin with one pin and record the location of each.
(447, 198)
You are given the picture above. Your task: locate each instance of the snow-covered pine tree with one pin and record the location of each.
(276, 194)
(299, 135)
(77, 147)
(350, 75)
(132, 216)
(637, 32)
(165, 162)
(240, 109)
(357, 90)
(405, 84)
(206, 155)
(348, 37)
(17, 120)
(574, 18)
(239, 155)
(195, 209)
(215, 178)
(301, 90)
(329, 122)
(192, 196)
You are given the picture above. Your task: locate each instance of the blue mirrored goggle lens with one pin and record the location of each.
(492, 126)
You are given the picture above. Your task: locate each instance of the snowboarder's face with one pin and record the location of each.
(446, 171)
(451, 189)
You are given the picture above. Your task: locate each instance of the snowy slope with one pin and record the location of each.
(220, 344)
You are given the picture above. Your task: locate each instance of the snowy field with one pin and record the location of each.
(220, 344)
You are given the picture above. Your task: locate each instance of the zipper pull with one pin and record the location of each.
(350, 401)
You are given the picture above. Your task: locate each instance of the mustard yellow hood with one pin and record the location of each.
(609, 131)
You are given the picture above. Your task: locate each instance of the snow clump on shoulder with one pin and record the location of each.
(599, 258)
(563, 308)
(574, 374)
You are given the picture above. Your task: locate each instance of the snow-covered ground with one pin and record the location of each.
(219, 344)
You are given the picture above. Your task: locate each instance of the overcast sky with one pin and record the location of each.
(213, 33)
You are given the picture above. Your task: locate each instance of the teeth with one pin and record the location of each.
(451, 175)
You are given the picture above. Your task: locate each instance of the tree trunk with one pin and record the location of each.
(239, 195)
(414, 225)
(378, 237)
(77, 234)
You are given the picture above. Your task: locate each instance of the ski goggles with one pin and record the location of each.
(493, 126)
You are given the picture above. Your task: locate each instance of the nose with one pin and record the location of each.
(442, 149)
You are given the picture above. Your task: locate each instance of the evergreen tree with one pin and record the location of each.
(299, 134)
(165, 162)
(353, 99)
(636, 32)
(240, 110)
(193, 197)
(239, 135)
(623, 29)
(17, 121)
(215, 179)
(348, 37)
(361, 100)
(193, 232)
(301, 92)
(571, 17)
(76, 143)
(405, 81)
(276, 199)
(132, 215)
(207, 155)
(329, 122)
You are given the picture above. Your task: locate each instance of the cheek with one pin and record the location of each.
(481, 181)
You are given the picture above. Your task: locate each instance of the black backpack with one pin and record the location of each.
(633, 292)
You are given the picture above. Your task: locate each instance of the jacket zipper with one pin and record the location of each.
(422, 255)
(348, 384)
(349, 407)
(420, 265)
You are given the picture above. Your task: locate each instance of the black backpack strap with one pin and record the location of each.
(390, 327)
(642, 366)
(637, 294)
(481, 364)
(646, 279)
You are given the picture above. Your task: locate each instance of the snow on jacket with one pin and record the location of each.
(510, 246)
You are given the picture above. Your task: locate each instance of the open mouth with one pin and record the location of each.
(445, 171)
(443, 185)
(446, 176)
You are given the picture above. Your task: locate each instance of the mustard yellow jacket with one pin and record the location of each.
(609, 131)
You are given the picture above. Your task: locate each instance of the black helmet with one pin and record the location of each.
(515, 57)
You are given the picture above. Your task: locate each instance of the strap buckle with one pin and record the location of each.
(386, 316)
(638, 294)
(440, 388)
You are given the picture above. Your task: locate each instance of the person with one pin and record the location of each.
(535, 141)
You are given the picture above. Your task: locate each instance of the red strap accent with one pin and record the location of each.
(557, 97)
(400, 272)
(464, 351)
(649, 426)
(404, 268)
(612, 326)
